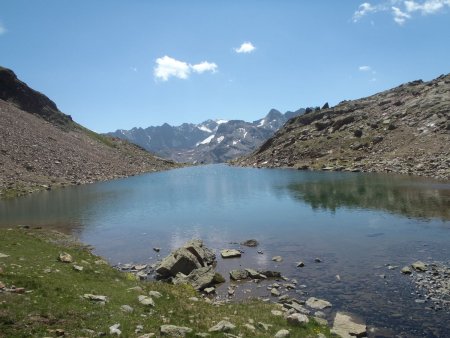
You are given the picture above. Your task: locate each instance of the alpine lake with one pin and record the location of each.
(363, 228)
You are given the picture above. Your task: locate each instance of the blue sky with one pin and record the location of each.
(120, 64)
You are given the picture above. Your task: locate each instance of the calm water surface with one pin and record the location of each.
(356, 223)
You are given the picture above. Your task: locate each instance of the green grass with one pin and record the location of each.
(101, 138)
(53, 296)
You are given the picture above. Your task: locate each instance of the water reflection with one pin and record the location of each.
(411, 197)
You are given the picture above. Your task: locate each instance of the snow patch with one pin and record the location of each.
(204, 128)
(220, 139)
(263, 121)
(206, 140)
(221, 121)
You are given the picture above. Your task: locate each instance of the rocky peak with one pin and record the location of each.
(14, 91)
(402, 130)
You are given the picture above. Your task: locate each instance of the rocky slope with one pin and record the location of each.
(41, 147)
(212, 141)
(402, 130)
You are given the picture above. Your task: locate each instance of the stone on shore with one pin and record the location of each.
(97, 298)
(255, 274)
(114, 330)
(192, 255)
(174, 331)
(297, 319)
(230, 253)
(145, 300)
(346, 327)
(155, 294)
(282, 334)
(222, 326)
(200, 278)
(65, 257)
(274, 292)
(317, 304)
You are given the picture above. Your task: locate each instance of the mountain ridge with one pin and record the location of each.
(402, 130)
(41, 148)
(210, 141)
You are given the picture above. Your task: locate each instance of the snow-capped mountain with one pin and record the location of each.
(212, 141)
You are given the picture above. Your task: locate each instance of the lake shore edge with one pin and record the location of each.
(52, 284)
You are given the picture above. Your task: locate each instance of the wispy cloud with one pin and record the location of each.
(2, 29)
(401, 10)
(246, 47)
(427, 7)
(363, 9)
(399, 16)
(365, 68)
(369, 70)
(167, 67)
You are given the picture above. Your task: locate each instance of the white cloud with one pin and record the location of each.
(204, 67)
(365, 68)
(246, 47)
(2, 29)
(399, 16)
(401, 10)
(364, 9)
(167, 67)
(427, 7)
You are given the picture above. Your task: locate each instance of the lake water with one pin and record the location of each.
(355, 223)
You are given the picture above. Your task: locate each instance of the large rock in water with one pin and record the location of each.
(192, 255)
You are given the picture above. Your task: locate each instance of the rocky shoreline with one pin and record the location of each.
(194, 264)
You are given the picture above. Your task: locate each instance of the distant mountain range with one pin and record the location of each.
(212, 141)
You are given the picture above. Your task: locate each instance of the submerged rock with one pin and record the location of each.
(419, 266)
(406, 270)
(238, 274)
(277, 259)
(250, 243)
(270, 273)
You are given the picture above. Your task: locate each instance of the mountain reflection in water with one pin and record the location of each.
(395, 194)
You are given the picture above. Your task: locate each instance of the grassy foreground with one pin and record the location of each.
(52, 302)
